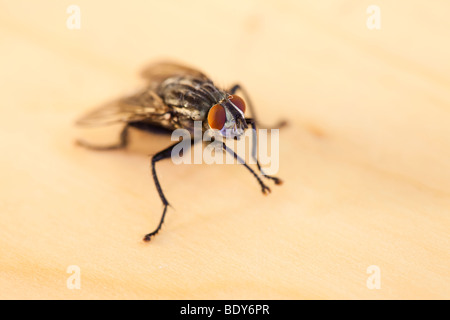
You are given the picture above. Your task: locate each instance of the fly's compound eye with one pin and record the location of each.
(217, 117)
(238, 102)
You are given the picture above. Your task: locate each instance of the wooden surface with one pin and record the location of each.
(365, 159)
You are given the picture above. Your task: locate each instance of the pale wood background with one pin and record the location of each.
(366, 158)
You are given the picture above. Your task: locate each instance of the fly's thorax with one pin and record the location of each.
(190, 93)
(189, 99)
(193, 99)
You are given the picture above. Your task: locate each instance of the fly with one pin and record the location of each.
(175, 97)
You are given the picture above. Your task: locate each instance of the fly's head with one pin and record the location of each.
(228, 117)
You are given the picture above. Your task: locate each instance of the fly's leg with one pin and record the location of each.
(265, 189)
(252, 122)
(121, 144)
(164, 154)
(237, 87)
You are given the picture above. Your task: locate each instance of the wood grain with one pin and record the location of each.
(365, 158)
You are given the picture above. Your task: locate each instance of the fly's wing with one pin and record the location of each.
(144, 105)
(158, 72)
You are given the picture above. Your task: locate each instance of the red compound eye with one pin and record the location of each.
(216, 117)
(238, 102)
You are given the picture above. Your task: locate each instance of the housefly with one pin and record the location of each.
(176, 96)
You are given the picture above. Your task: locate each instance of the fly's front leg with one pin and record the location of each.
(265, 189)
(164, 154)
(121, 144)
(249, 104)
(251, 122)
